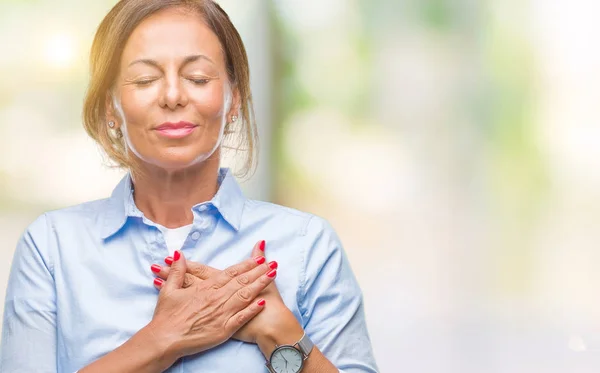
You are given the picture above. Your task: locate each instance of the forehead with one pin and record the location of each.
(170, 34)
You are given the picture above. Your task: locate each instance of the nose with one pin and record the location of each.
(173, 93)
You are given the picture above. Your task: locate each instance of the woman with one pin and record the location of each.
(169, 90)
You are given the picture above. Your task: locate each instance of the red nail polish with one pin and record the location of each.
(169, 260)
(262, 245)
(155, 268)
(272, 273)
(260, 259)
(273, 265)
(176, 255)
(262, 302)
(158, 281)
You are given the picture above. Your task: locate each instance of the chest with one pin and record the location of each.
(106, 295)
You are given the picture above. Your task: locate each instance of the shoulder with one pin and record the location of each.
(316, 237)
(47, 232)
(83, 214)
(305, 223)
(82, 210)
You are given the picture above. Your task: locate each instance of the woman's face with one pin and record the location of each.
(172, 97)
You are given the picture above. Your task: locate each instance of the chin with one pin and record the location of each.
(179, 160)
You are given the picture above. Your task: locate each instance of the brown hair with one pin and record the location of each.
(107, 48)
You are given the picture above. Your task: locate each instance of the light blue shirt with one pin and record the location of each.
(81, 285)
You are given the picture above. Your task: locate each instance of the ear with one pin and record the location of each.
(111, 114)
(234, 109)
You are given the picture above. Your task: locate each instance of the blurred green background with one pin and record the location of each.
(454, 146)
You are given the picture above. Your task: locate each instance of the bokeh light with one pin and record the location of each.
(60, 50)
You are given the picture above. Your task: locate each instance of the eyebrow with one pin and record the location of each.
(188, 59)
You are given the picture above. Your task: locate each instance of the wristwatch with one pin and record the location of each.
(290, 358)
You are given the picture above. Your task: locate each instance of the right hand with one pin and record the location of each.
(208, 312)
(263, 323)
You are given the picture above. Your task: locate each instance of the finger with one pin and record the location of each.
(202, 271)
(245, 295)
(158, 283)
(199, 270)
(244, 279)
(163, 273)
(232, 272)
(258, 249)
(177, 273)
(160, 271)
(241, 318)
(191, 276)
(188, 280)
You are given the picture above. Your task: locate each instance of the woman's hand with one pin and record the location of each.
(207, 312)
(271, 318)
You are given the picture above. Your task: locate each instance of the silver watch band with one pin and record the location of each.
(305, 345)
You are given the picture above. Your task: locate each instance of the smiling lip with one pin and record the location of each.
(175, 130)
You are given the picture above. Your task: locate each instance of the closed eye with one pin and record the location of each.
(199, 81)
(143, 82)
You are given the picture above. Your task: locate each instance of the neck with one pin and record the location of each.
(167, 196)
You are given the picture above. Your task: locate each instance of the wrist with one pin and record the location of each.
(283, 331)
(160, 345)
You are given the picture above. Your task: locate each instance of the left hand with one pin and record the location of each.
(275, 317)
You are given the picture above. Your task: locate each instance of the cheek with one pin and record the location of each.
(209, 102)
(135, 103)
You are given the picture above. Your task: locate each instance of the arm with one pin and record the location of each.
(332, 309)
(142, 353)
(29, 325)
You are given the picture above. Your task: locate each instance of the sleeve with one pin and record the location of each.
(29, 324)
(331, 302)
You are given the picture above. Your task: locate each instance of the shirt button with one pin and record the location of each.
(202, 208)
(195, 236)
(206, 224)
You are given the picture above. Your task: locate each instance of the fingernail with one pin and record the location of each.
(176, 255)
(273, 265)
(260, 259)
(169, 260)
(272, 273)
(155, 268)
(262, 245)
(262, 302)
(158, 281)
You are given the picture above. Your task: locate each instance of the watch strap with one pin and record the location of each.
(305, 345)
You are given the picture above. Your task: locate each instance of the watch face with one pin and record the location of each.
(286, 359)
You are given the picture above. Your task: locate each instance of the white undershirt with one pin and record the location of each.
(175, 237)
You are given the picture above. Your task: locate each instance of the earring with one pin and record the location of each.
(111, 124)
(234, 118)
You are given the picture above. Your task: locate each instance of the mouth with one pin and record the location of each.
(176, 130)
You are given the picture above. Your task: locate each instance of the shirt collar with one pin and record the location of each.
(229, 201)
